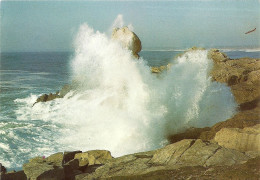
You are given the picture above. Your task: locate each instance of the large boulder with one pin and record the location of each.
(128, 39)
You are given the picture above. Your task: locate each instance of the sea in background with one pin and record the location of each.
(26, 75)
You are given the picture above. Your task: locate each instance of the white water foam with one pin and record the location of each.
(122, 107)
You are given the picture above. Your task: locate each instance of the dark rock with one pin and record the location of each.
(71, 169)
(42, 98)
(13, 176)
(68, 156)
(2, 169)
(59, 94)
(46, 97)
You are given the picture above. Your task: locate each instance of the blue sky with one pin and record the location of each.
(52, 25)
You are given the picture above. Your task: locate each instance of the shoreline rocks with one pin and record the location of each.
(227, 150)
(200, 156)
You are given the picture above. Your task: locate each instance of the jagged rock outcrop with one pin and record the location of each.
(59, 94)
(242, 75)
(247, 139)
(47, 97)
(128, 39)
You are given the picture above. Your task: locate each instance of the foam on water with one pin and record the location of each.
(121, 106)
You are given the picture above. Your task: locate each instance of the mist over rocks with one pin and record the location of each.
(242, 76)
(207, 152)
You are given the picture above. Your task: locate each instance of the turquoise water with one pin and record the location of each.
(23, 77)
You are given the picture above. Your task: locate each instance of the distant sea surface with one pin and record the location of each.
(23, 74)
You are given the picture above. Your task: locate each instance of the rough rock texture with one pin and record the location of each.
(242, 75)
(172, 157)
(247, 139)
(93, 157)
(56, 166)
(184, 159)
(249, 170)
(128, 39)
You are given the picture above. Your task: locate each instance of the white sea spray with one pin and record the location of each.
(120, 105)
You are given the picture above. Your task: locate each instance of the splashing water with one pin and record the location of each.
(119, 23)
(122, 107)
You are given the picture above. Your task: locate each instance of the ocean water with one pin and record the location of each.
(119, 106)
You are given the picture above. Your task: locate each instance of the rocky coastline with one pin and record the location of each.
(227, 150)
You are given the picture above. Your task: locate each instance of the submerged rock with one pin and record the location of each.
(60, 94)
(128, 39)
(161, 68)
(47, 97)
